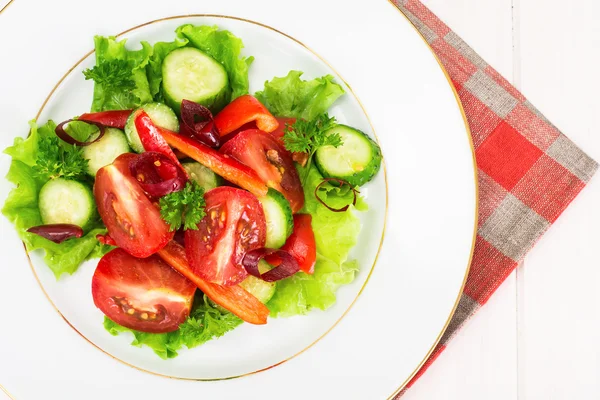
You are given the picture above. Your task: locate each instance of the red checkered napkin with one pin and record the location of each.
(529, 172)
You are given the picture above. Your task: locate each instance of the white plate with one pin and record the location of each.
(423, 262)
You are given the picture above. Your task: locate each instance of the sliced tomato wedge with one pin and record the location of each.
(233, 298)
(300, 158)
(301, 244)
(283, 121)
(234, 224)
(243, 110)
(223, 165)
(142, 294)
(271, 161)
(114, 118)
(132, 220)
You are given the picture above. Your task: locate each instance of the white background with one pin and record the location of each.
(537, 338)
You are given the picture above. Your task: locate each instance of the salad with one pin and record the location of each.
(206, 206)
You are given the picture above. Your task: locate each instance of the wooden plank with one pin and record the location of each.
(559, 310)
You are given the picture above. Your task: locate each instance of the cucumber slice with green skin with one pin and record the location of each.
(260, 289)
(67, 202)
(190, 74)
(279, 218)
(104, 151)
(356, 161)
(202, 175)
(161, 114)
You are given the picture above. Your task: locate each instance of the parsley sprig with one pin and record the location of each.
(185, 207)
(113, 74)
(58, 160)
(307, 136)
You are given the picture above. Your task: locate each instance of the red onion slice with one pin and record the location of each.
(288, 266)
(64, 136)
(57, 233)
(157, 174)
(342, 183)
(204, 131)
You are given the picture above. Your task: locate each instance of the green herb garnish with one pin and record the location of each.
(113, 74)
(307, 136)
(185, 207)
(58, 160)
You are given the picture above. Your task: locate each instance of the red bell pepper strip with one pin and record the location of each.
(301, 244)
(151, 137)
(221, 164)
(233, 298)
(242, 110)
(114, 119)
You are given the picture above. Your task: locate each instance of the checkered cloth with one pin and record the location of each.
(529, 172)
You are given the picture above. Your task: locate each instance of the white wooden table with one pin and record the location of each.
(537, 338)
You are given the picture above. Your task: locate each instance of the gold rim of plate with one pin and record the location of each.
(475, 176)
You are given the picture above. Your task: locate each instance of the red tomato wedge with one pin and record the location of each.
(271, 161)
(280, 131)
(132, 220)
(114, 118)
(300, 158)
(242, 110)
(223, 165)
(233, 298)
(142, 294)
(301, 244)
(234, 224)
(151, 138)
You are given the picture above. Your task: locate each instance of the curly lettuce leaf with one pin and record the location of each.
(335, 235)
(205, 322)
(22, 209)
(224, 47)
(113, 61)
(290, 96)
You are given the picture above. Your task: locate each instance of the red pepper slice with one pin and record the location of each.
(114, 119)
(233, 298)
(301, 244)
(106, 239)
(242, 110)
(221, 164)
(151, 137)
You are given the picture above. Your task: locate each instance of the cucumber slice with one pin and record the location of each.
(159, 113)
(356, 161)
(190, 74)
(67, 202)
(280, 221)
(104, 151)
(260, 289)
(202, 175)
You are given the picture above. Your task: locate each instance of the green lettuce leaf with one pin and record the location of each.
(290, 96)
(120, 75)
(205, 322)
(224, 47)
(335, 235)
(21, 208)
